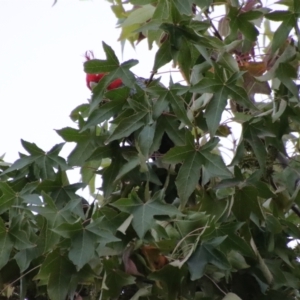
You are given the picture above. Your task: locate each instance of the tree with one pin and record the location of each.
(172, 220)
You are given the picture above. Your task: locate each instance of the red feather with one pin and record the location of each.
(115, 84)
(95, 78)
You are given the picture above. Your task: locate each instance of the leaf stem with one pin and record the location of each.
(217, 286)
(19, 278)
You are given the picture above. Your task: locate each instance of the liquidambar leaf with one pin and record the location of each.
(162, 56)
(130, 122)
(204, 254)
(188, 176)
(231, 296)
(143, 213)
(172, 279)
(6, 244)
(82, 248)
(57, 270)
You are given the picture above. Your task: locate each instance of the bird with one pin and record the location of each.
(93, 79)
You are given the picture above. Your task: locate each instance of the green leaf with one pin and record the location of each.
(104, 113)
(185, 59)
(278, 15)
(285, 73)
(110, 174)
(162, 11)
(129, 122)
(178, 154)
(222, 90)
(100, 153)
(263, 190)
(61, 191)
(115, 70)
(251, 15)
(51, 212)
(143, 213)
(82, 249)
(170, 125)
(70, 134)
(59, 271)
(104, 234)
(47, 239)
(203, 3)
(245, 203)
(115, 279)
(68, 230)
(127, 167)
(88, 173)
(251, 134)
(162, 56)
(6, 244)
(139, 15)
(25, 257)
(231, 296)
(145, 139)
(213, 207)
(8, 197)
(20, 238)
(215, 109)
(291, 229)
(237, 260)
(177, 104)
(273, 225)
(184, 7)
(188, 176)
(43, 161)
(97, 66)
(213, 166)
(248, 29)
(204, 254)
(32, 148)
(233, 240)
(192, 221)
(86, 143)
(172, 279)
(296, 7)
(109, 221)
(282, 32)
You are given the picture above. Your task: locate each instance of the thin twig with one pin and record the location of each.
(295, 209)
(216, 32)
(19, 278)
(215, 284)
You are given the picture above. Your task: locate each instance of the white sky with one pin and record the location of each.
(41, 73)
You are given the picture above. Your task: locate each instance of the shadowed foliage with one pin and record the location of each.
(198, 182)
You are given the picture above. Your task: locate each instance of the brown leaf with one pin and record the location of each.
(77, 297)
(249, 5)
(253, 86)
(155, 260)
(223, 130)
(129, 265)
(254, 68)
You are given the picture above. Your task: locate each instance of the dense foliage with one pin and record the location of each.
(171, 219)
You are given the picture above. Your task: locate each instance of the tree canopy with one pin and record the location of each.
(199, 194)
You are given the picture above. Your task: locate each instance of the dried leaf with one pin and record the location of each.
(155, 260)
(130, 267)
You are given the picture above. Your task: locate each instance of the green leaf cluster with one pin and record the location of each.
(194, 185)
